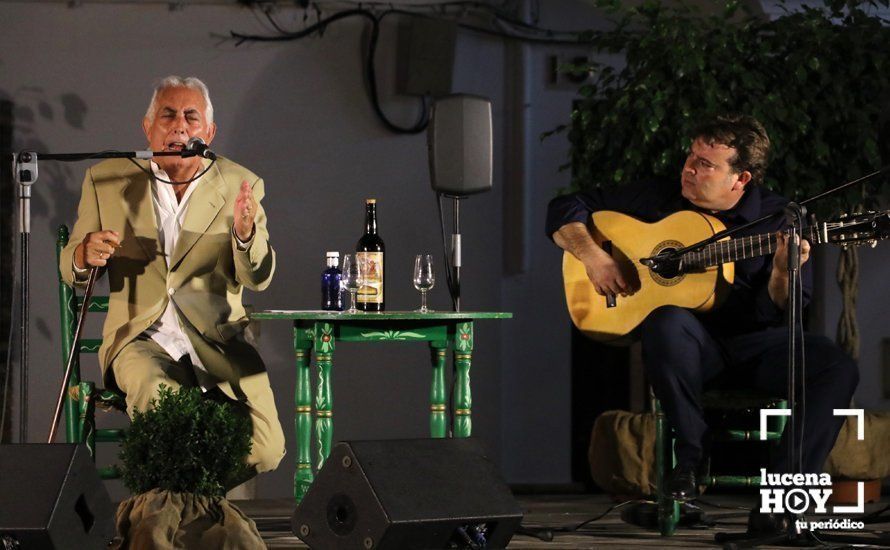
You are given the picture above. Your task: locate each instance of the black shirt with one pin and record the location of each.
(748, 307)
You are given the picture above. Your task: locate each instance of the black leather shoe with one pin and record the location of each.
(760, 523)
(682, 484)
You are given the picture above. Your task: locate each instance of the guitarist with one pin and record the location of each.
(744, 342)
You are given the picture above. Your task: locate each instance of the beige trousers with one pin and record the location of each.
(143, 365)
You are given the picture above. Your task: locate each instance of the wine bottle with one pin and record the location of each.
(369, 254)
(331, 293)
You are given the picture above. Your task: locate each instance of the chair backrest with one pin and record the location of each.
(69, 308)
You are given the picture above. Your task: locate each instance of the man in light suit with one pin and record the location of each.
(179, 238)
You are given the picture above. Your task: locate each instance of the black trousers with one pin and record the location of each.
(681, 357)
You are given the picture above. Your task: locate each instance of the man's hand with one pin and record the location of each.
(778, 279)
(606, 275)
(245, 212)
(602, 270)
(780, 259)
(96, 249)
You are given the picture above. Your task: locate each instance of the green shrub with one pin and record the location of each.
(817, 77)
(185, 443)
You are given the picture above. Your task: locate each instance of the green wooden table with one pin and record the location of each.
(322, 329)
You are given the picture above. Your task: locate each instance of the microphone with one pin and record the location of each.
(197, 146)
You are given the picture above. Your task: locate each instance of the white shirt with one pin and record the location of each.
(167, 331)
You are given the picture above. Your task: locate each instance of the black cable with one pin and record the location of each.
(170, 182)
(500, 15)
(601, 516)
(370, 70)
(803, 366)
(268, 9)
(448, 278)
(700, 500)
(4, 402)
(500, 34)
(371, 75)
(546, 534)
(318, 27)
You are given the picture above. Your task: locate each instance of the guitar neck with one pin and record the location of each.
(742, 248)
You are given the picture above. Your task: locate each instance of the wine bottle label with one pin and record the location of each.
(371, 289)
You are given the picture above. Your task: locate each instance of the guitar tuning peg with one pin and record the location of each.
(873, 243)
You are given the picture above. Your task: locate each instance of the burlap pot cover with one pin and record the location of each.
(167, 520)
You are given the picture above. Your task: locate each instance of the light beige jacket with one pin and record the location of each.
(206, 273)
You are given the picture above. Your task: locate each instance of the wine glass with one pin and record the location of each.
(424, 278)
(351, 279)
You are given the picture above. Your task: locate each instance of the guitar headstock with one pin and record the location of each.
(857, 229)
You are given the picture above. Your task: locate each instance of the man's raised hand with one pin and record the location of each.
(245, 212)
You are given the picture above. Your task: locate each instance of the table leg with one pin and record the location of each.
(303, 417)
(463, 359)
(324, 360)
(438, 422)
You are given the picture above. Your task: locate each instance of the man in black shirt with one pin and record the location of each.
(745, 337)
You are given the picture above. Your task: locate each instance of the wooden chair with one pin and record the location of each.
(83, 396)
(722, 401)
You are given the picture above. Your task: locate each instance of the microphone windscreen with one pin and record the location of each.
(193, 143)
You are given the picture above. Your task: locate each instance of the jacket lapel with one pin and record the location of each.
(141, 218)
(204, 206)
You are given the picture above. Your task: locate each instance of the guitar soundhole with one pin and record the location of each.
(669, 275)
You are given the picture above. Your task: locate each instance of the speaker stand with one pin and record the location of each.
(455, 254)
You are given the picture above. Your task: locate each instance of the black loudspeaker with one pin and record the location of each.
(425, 62)
(459, 145)
(51, 497)
(407, 494)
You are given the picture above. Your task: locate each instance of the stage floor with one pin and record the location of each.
(554, 511)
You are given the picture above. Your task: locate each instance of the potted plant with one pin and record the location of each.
(179, 457)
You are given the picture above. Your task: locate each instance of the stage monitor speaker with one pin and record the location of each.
(407, 494)
(51, 497)
(459, 145)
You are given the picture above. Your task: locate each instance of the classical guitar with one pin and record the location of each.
(696, 280)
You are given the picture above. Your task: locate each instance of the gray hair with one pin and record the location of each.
(174, 81)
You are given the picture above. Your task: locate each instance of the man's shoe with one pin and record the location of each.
(682, 485)
(760, 523)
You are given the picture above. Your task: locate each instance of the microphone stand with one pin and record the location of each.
(795, 214)
(25, 172)
(794, 535)
(456, 253)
